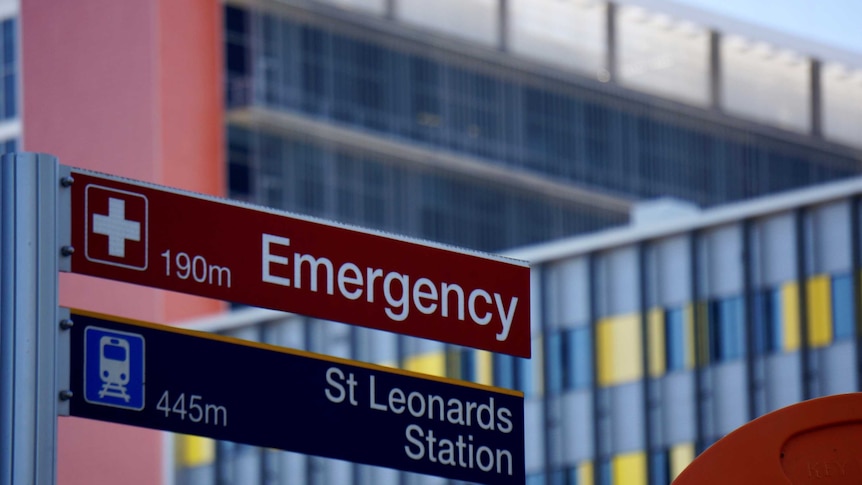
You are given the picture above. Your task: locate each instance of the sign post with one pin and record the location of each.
(187, 382)
(29, 265)
(165, 238)
(177, 380)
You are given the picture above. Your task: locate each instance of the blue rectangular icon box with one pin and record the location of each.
(114, 368)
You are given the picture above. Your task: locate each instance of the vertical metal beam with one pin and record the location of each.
(29, 268)
(611, 41)
(816, 98)
(801, 277)
(391, 9)
(646, 381)
(700, 360)
(714, 73)
(503, 25)
(598, 436)
(546, 330)
(749, 318)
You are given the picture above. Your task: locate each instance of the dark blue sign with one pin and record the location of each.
(193, 383)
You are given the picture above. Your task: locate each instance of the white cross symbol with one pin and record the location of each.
(116, 227)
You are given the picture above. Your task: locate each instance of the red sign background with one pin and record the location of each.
(217, 249)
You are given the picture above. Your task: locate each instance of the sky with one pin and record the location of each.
(836, 23)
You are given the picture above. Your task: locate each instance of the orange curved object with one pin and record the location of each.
(816, 441)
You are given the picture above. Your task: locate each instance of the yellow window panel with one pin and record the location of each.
(630, 469)
(656, 341)
(681, 456)
(433, 363)
(700, 309)
(484, 367)
(585, 473)
(620, 355)
(819, 311)
(790, 316)
(688, 315)
(194, 451)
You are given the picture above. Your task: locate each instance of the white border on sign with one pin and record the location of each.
(146, 231)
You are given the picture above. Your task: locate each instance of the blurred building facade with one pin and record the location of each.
(650, 342)
(494, 124)
(459, 120)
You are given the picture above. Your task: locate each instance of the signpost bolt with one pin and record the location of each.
(66, 395)
(67, 181)
(67, 250)
(66, 324)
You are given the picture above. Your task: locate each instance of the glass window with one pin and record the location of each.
(504, 371)
(842, 306)
(578, 358)
(536, 479)
(236, 40)
(555, 363)
(569, 359)
(557, 477)
(726, 329)
(515, 373)
(9, 69)
(676, 339)
(314, 73)
(507, 116)
(461, 364)
(10, 146)
(619, 349)
(239, 159)
(659, 467)
(768, 327)
(605, 472)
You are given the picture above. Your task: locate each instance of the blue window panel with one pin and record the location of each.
(504, 371)
(467, 365)
(727, 339)
(315, 76)
(776, 326)
(733, 328)
(9, 70)
(605, 472)
(524, 379)
(536, 479)
(554, 363)
(761, 323)
(675, 339)
(768, 330)
(10, 101)
(842, 306)
(579, 358)
(237, 59)
(557, 477)
(572, 476)
(9, 53)
(235, 20)
(659, 467)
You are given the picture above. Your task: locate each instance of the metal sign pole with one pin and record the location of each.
(29, 266)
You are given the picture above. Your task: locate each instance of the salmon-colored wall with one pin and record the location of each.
(130, 88)
(190, 80)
